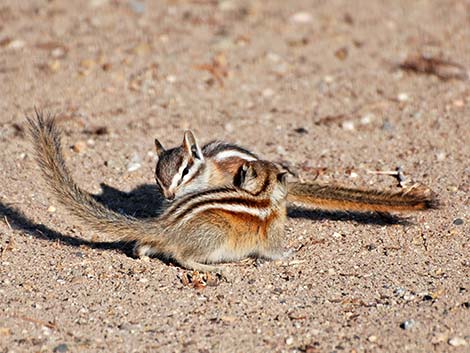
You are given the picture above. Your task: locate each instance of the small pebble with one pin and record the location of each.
(171, 78)
(98, 3)
(268, 92)
(301, 130)
(229, 127)
(328, 79)
(348, 125)
(336, 235)
(79, 146)
(367, 119)
(137, 6)
(441, 156)
(457, 342)
(399, 292)
(403, 97)
(409, 297)
(51, 209)
(301, 17)
(134, 164)
(16, 44)
(289, 340)
(58, 53)
(408, 324)
(387, 126)
(458, 221)
(373, 338)
(281, 150)
(61, 348)
(273, 57)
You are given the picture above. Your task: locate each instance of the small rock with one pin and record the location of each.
(403, 97)
(301, 130)
(171, 79)
(336, 235)
(409, 297)
(373, 338)
(134, 163)
(273, 57)
(328, 79)
(399, 292)
(348, 125)
(229, 127)
(54, 65)
(281, 150)
(331, 272)
(408, 324)
(341, 53)
(58, 52)
(5, 331)
(441, 156)
(301, 17)
(98, 3)
(137, 6)
(371, 247)
(367, 119)
(79, 146)
(458, 221)
(51, 209)
(61, 348)
(289, 341)
(387, 126)
(457, 342)
(268, 92)
(16, 44)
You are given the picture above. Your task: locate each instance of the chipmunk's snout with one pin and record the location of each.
(169, 195)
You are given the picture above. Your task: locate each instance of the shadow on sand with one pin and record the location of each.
(145, 201)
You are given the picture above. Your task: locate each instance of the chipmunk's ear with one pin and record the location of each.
(282, 177)
(159, 148)
(246, 172)
(191, 145)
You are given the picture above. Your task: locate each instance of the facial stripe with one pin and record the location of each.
(177, 176)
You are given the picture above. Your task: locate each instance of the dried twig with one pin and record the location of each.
(444, 69)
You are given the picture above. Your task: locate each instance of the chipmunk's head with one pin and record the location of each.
(178, 166)
(262, 177)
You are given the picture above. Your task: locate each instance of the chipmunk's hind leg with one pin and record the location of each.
(196, 266)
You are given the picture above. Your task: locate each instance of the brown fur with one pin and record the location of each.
(343, 198)
(313, 195)
(202, 236)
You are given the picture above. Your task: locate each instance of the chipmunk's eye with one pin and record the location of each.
(185, 171)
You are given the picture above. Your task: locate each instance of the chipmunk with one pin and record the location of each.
(189, 168)
(211, 226)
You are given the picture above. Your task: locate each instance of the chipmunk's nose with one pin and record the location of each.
(169, 195)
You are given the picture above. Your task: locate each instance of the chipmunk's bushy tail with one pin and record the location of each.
(46, 138)
(342, 198)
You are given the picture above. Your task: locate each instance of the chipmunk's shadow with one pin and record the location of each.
(145, 201)
(374, 218)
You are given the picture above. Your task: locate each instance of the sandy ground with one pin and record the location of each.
(316, 84)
